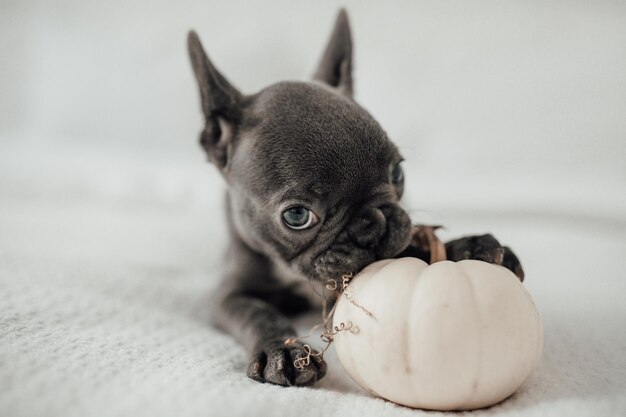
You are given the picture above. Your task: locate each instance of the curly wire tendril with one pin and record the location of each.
(332, 285)
(345, 280)
(301, 362)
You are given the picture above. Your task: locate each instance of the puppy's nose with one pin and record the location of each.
(367, 227)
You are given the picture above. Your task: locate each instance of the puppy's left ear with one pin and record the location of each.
(221, 104)
(335, 67)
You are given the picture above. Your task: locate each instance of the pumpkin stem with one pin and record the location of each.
(424, 237)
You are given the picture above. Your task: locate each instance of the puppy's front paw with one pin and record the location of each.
(484, 248)
(274, 362)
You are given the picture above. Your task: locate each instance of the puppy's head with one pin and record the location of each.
(314, 181)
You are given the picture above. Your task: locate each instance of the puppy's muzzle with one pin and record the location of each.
(368, 227)
(384, 229)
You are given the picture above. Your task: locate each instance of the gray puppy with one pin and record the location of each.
(314, 187)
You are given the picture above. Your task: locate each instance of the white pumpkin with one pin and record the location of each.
(449, 336)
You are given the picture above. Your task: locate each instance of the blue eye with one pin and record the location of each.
(397, 174)
(299, 218)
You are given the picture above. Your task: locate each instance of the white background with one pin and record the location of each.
(511, 117)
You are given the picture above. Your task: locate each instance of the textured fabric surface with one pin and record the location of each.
(510, 116)
(104, 287)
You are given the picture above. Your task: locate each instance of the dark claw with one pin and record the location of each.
(511, 262)
(256, 367)
(275, 364)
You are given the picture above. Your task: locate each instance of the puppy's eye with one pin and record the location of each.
(397, 174)
(299, 218)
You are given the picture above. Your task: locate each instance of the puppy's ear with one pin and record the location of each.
(335, 67)
(221, 104)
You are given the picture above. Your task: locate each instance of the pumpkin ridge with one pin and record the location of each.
(479, 336)
(409, 325)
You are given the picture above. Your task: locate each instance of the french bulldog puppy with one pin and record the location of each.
(314, 188)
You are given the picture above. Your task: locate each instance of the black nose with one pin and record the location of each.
(367, 227)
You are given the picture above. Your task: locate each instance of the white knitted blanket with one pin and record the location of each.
(105, 271)
(510, 116)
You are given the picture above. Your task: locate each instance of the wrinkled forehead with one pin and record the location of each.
(307, 136)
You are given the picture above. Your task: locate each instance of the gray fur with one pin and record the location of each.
(302, 143)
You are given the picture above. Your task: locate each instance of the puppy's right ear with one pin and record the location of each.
(221, 104)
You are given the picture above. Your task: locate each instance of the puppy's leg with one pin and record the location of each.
(481, 247)
(264, 331)
(484, 248)
(242, 308)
